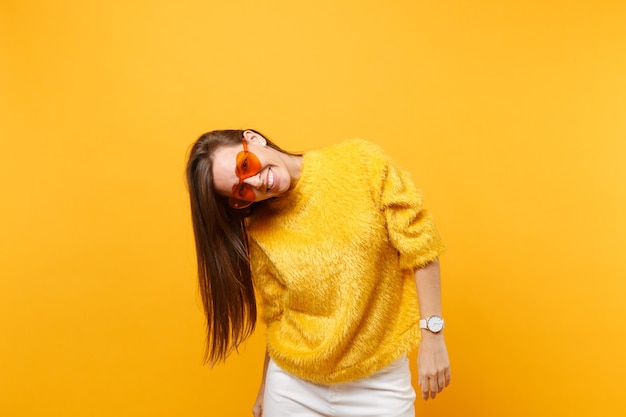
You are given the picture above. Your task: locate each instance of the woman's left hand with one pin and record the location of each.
(433, 364)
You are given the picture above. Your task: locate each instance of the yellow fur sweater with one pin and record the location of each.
(333, 263)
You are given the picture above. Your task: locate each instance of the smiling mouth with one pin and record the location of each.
(270, 179)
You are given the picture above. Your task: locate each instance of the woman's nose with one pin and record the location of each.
(254, 181)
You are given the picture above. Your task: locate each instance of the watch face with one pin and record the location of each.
(435, 324)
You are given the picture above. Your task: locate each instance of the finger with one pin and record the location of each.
(424, 388)
(448, 376)
(441, 381)
(433, 386)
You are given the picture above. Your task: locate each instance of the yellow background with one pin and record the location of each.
(510, 114)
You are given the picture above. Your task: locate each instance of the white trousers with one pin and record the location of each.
(387, 393)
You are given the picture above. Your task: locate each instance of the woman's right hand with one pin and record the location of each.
(257, 409)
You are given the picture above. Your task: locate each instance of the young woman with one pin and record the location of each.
(343, 260)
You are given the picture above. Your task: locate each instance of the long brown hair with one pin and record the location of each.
(222, 250)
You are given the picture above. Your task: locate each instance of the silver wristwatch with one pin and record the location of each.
(434, 324)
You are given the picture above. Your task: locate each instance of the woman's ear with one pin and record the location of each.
(253, 137)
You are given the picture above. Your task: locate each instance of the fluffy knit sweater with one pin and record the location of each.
(333, 263)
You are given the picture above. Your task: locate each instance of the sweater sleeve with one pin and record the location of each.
(410, 227)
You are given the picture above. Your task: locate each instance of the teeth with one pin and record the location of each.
(270, 180)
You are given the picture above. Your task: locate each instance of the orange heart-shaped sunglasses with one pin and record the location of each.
(248, 165)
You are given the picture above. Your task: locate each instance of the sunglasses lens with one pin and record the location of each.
(247, 164)
(243, 196)
(244, 192)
